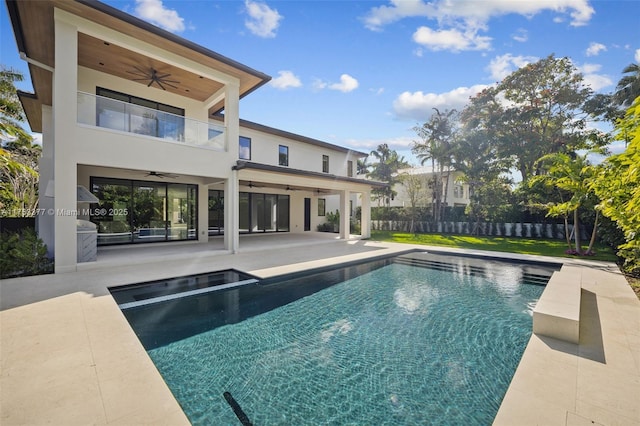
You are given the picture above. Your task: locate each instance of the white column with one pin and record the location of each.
(231, 213)
(365, 215)
(344, 215)
(203, 213)
(65, 86)
(45, 223)
(231, 186)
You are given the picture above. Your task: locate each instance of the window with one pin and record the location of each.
(283, 155)
(142, 116)
(142, 212)
(325, 164)
(245, 148)
(263, 212)
(458, 189)
(350, 168)
(322, 207)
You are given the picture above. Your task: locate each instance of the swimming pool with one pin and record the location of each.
(416, 339)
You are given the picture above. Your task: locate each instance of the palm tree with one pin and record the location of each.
(11, 112)
(628, 88)
(385, 170)
(437, 136)
(572, 175)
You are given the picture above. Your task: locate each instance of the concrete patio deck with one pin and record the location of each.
(68, 355)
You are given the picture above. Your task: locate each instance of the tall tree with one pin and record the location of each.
(437, 136)
(414, 186)
(475, 154)
(537, 110)
(385, 169)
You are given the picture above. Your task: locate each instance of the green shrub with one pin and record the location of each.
(23, 254)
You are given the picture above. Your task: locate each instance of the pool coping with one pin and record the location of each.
(70, 357)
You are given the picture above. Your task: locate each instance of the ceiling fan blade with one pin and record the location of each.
(162, 76)
(150, 83)
(159, 84)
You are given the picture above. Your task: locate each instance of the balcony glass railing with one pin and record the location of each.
(112, 114)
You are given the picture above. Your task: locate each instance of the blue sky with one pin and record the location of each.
(361, 73)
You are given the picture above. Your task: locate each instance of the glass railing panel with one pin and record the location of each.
(112, 114)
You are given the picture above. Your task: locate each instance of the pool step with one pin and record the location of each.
(527, 277)
(148, 293)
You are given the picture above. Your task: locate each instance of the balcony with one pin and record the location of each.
(99, 111)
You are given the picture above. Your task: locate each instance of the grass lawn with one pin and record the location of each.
(541, 247)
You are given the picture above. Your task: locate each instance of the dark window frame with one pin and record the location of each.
(283, 157)
(322, 206)
(240, 139)
(325, 163)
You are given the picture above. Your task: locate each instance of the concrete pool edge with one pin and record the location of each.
(91, 371)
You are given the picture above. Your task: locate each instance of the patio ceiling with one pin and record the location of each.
(33, 26)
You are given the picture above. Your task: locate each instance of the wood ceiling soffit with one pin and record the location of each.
(115, 60)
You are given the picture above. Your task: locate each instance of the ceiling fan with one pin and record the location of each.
(162, 175)
(253, 185)
(151, 75)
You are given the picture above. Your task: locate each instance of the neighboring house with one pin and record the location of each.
(457, 191)
(149, 123)
(457, 195)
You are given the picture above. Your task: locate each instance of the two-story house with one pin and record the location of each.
(149, 123)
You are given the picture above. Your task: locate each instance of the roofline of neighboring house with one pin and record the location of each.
(241, 164)
(288, 135)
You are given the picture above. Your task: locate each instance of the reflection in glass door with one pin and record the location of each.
(142, 212)
(181, 207)
(149, 211)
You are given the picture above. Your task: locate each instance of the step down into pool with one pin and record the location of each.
(531, 274)
(147, 293)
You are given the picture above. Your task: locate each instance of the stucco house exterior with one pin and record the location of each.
(148, 124)
(457, 191)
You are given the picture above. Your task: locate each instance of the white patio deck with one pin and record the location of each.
(68, 355)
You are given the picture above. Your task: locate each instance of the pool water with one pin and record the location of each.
(397, 345)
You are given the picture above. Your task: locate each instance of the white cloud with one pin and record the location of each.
(521, 35)
(419, 106)
(637, 56)
(400, 143)
(399, 9)
(452, 39)
(286, 80)
(263, 21)
(473, 11)
(156, 13)
(346, 84)
(592, 79)
(594, 49)
(502, 66)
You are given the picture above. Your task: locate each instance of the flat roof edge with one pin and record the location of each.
(130, 19)
(240, 164)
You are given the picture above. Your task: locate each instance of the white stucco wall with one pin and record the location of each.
(302, 156)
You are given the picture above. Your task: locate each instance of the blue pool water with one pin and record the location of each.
(389, 344)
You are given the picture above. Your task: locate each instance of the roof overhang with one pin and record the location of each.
(33, 26)
(309, 179)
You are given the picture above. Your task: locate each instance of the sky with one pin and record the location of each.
(362, 73)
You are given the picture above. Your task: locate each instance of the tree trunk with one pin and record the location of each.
(576, 231)
(566, 231)
(593, 236)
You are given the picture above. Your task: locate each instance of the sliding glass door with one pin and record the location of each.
(141, 212)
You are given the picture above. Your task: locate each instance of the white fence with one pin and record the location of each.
(525, 230)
